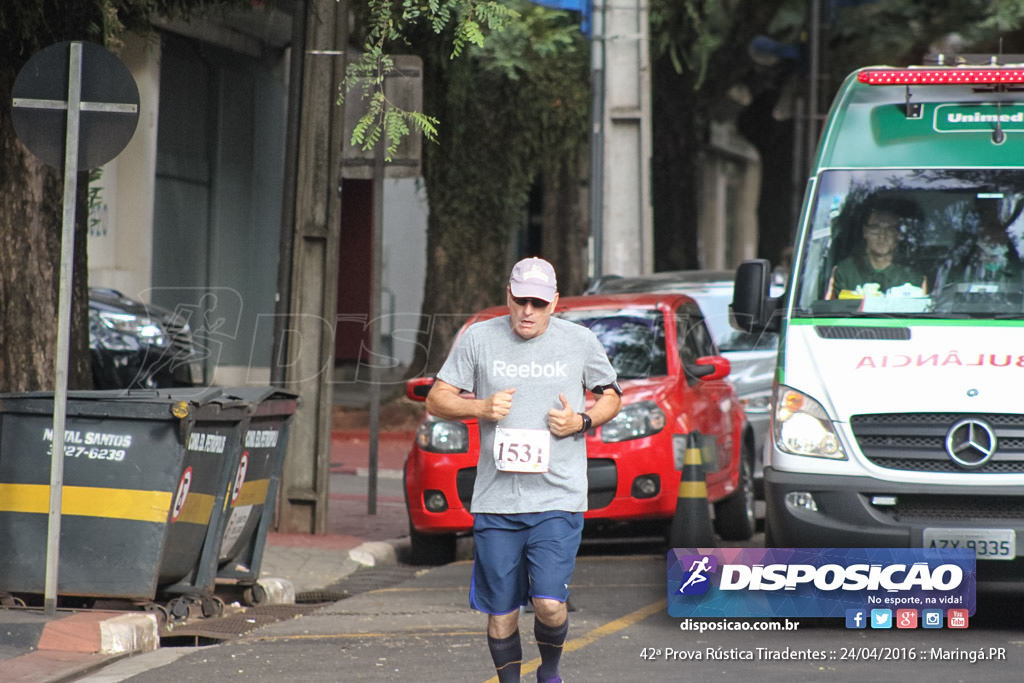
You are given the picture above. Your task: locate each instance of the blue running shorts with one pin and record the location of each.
(523, 556)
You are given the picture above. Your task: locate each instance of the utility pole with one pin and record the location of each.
(621, 216)
(305, 345)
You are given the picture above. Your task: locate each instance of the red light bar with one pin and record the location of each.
(950, 76)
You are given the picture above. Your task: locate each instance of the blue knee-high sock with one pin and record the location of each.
(549, 641)
(507, 654)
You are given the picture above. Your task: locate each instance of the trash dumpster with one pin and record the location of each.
(146, 473)
(250, 508)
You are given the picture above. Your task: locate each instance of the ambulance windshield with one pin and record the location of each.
(914, 243)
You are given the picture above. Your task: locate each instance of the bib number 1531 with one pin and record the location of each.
(522, 450)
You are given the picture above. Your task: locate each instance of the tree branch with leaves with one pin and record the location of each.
(387, 23)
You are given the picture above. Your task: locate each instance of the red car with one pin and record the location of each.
(673, 383)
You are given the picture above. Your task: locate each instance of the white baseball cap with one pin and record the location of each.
(533, 278)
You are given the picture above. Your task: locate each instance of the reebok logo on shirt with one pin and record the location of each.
(500, 368)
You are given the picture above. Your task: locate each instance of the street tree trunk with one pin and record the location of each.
(564, 225)
(30, 233)
(476, 200)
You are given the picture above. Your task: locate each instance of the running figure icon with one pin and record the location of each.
(697, 569)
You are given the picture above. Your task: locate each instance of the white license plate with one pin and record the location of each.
(987, 544)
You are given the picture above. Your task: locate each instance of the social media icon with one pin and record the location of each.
(956, 618)
(856, 618)
(906, 618)
(881, 618)
(931, 618)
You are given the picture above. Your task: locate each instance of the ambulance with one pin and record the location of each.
(897, 414)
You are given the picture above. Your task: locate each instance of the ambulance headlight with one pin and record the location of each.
(802, 427)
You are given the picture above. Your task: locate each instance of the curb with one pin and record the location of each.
(363, 434)
(374, 553)
(78, 643)
(81, 642)
(104, 633)
(381, 473)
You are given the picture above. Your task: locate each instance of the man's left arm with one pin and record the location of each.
(566, 421)
(606, 407)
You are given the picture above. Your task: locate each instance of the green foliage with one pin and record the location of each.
(26, 26)
(1000, 16)
(689, 32)
(388, 22)
(538, 37)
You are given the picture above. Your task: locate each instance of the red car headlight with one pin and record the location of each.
(442, 436)
(634, 421)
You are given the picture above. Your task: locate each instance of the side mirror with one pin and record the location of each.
(416, 389)
(753, 309)
(712, 368)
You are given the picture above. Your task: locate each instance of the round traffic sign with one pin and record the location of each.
(107, 104)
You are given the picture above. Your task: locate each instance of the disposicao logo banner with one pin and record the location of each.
(816, 582)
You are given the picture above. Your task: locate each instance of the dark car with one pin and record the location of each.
(138, 345)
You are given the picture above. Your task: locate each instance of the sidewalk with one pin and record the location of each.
(35, 648)
(355, 538)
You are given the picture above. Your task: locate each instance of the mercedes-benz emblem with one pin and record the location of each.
(971, 443)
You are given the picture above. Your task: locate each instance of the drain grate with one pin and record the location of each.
(206, 631)
(321, 596)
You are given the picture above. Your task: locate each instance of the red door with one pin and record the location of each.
(351, 339)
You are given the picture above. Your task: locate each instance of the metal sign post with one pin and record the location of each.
(110, 129)
(67, 260)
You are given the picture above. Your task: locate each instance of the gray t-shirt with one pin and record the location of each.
(566, 358)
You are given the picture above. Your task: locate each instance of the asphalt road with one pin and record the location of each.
(423, 630)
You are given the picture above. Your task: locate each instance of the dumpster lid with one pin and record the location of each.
(124, 402)
(266, 400)
(259, 394)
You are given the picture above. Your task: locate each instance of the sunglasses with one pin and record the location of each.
(536, 303)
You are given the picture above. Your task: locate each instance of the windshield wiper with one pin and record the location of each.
(807, 313)
(940, 315)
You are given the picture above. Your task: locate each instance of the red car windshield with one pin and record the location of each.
(634, 339)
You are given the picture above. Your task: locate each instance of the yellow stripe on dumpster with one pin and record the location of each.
(253, 493)
(197, 508)
(88, 501)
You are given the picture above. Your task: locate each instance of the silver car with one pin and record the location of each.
(752, 356)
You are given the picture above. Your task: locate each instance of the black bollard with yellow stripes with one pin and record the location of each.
(691, 526)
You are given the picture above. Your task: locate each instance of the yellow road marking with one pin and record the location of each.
(572, 586)
(575, 644)
(348, 636)
(598, 633)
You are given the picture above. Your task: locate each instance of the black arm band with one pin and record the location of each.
(600, 389)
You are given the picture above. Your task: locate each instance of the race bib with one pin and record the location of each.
(522, 450)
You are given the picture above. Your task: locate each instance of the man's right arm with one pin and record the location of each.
(447, 402)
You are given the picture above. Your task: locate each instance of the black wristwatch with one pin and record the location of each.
(587, 423)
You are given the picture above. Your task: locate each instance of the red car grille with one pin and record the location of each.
(602, 480)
